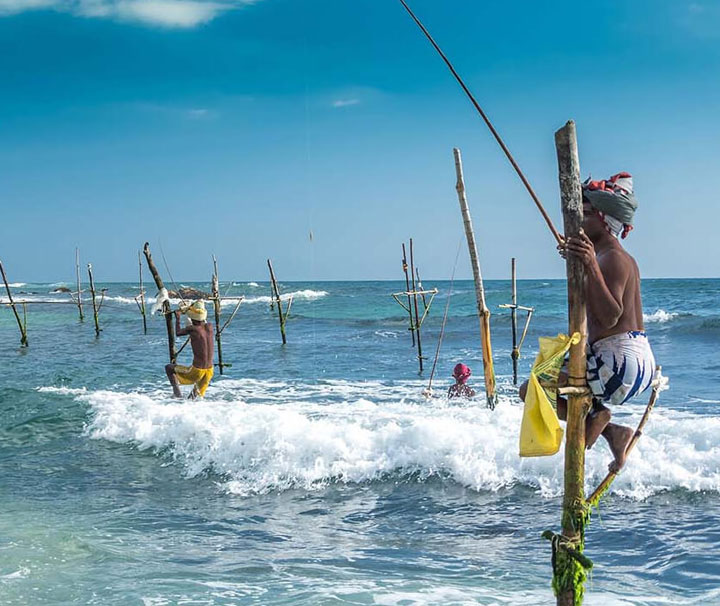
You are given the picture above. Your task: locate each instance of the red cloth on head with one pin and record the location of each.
(461, 373)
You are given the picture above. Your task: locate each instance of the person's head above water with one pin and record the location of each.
(461, 373)
(614, 201)
(197, 312)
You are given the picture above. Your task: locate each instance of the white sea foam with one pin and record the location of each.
(298, 295)
(264, 436)
(36, 299)
(253, 284)
(659, 316)
(66, 391)
(17, 284)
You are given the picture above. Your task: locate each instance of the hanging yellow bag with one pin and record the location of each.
(540, 431)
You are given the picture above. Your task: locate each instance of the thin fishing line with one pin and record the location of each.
(167, 268)
(447, 307)
(508, 155)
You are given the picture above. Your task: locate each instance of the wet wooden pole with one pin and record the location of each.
(407, 289)
(420, 288)
(216, 306)
(415, 306)
(142, 296)
(94, 300)
(515, 355)
(570, 573)
(166, 305)
(79, 290)
(482, 309)
(22, 325)
(276, 292)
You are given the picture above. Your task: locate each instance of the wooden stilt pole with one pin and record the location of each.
(21, 325)
(94, 301)
(216, 305)
(276, 291)
(407, 289)
(420, 288)
(483, 311)
(166, 305)
(415, 306)
(142, 296)
(515, 355)
(79, 290)
(569, 572)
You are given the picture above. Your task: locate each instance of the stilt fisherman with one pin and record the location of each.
(203, 348)
(620, 363)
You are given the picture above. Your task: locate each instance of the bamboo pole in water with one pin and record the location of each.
(276, 291)
(515, 355)
(94, 302)
(407, 289)
(415, 306)
(420, 288)
(569, 573)
(166, 305)
(79, 290)
(216, 306)
(142, 296)
(482, 309)
(21, 325)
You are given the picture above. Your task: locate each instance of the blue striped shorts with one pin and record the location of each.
(619, 367)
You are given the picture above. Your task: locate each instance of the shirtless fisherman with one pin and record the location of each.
(203, 348)
(620, 363)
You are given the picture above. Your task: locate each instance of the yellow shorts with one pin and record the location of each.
(189, 375)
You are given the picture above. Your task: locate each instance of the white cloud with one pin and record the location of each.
(345, 102)
(10, 7)
(199, 112)
(163, 13)
(169, 13)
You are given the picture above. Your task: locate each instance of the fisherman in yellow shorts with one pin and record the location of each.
(203, 348)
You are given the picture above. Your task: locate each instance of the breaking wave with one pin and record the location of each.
(660, 316)
(258, 437)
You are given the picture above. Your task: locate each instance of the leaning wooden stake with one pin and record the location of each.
(482, 309)
(166, 305)
(94, 300)
(141, 296)
(659, 383)
(21, 325)
(276, 291)
(79, 290)
(216, 306)
(570, 572)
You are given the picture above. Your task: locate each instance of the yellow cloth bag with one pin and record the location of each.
(540, 431)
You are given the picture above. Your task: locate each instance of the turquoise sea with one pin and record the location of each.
(316, 473)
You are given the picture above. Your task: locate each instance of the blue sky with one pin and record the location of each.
(237, 128)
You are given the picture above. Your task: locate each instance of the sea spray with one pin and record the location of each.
(309, 435)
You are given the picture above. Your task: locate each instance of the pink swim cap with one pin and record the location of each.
(461, 372)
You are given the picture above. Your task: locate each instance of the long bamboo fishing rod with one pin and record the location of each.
(509, 156)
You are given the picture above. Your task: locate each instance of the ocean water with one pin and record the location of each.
(317, 474)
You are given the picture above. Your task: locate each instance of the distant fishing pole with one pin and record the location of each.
(526, 183)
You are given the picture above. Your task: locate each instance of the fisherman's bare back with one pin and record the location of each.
(201, 340)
